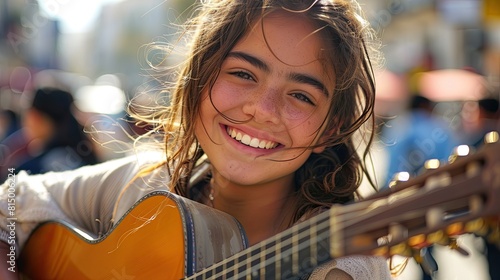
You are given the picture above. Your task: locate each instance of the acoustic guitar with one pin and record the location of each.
(164, 236)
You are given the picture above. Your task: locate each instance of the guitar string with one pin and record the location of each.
(255, 268)
(323, 226)
(348, 218)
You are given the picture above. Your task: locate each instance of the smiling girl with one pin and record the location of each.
(260, 126)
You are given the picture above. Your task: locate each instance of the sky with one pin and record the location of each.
(74, 15)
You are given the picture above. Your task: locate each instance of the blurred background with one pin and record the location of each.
(97, 51)
(438, 86)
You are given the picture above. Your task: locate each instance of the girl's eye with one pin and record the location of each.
(243, 75)
(302, 97)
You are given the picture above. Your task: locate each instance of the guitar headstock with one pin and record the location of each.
(445, 201)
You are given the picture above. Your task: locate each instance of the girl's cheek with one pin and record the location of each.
(308, 121)
(293, 113)
(225, 95)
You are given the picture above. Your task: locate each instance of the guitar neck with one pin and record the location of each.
(293, 252)
(447, 200)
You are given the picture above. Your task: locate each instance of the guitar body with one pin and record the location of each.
(163, 236)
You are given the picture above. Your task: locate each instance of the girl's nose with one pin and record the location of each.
(264, 106)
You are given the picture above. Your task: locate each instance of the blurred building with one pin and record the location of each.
(28, 38)
(438, 34)
(114, 43)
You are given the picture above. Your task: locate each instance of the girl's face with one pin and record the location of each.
(275, 93)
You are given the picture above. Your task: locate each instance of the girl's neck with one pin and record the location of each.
(263, 210)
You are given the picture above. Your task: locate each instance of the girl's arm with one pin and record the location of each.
(84, 197)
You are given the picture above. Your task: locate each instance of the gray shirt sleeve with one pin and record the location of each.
(84, 197)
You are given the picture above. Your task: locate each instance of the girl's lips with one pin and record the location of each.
(250, 141)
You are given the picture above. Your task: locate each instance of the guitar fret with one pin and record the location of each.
(255, 262)
(313, 251)
(229, 274)
(335, 235)
(263, 267)
(295, 253)
(322, 244)
(208, 274)
(218, 270)
(278, 261)
(230, 269)
(241, 266)
(304, 250)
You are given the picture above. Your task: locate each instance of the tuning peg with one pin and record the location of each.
(432, 164)
(458, 152)
(454, 246)
(399, 177)
(382, 251)
(455, 229)
(438, 237)
(426, 261)
(418, 241)
(491, 137)
(401, 249)
(477, 226)
(494, 235)
(434, 217)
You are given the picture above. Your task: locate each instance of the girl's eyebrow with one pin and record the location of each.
(306, 79)
(250, 59)
(296, 77)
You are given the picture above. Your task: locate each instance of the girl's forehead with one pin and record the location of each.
(290, 39)
(282, 31)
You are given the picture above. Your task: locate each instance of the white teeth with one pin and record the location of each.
(246, 139)
(262, 144)
(255, 143)
(249, 141)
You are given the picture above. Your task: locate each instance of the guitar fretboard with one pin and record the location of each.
(293, 253)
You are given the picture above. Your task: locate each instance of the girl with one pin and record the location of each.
(271, 95)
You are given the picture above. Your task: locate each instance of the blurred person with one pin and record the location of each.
(51, 139)
(485, 119)
(414, 137)
(9, 123)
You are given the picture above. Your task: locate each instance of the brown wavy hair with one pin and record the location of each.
(327, 178)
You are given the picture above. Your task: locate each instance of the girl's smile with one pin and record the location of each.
(248, 140)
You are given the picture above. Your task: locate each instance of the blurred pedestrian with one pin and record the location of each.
(9, 123)
(51, 139)
(486, 120)
(415, 137)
